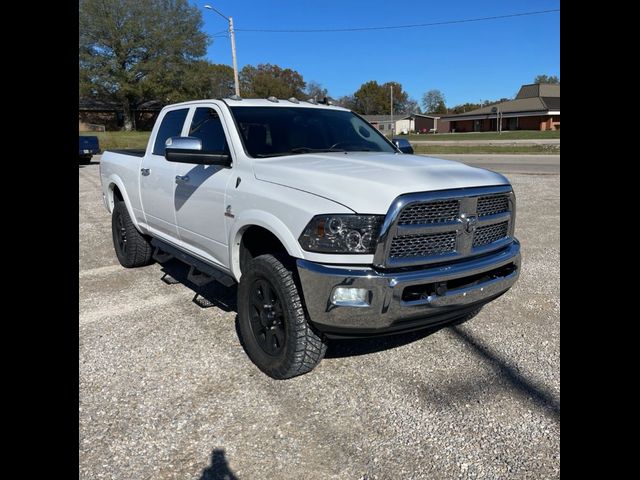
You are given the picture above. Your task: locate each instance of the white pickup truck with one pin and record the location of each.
(329, 229)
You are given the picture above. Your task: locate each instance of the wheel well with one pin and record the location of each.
(117, 195)
(258, 241)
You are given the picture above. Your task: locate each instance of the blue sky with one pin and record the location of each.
(468, 62)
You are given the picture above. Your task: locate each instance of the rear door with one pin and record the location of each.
(157, 178)
(200, 194)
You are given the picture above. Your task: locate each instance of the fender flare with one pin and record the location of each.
(115, 181)
(269, 222)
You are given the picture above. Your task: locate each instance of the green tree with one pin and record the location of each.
(267, 80)
(410, 107)
(347, 101)
(433, 102)
(203, 79)
(369, 99)
(547, 79)
(132, 50)
(464, 108)
(375, 99)
(316, 90)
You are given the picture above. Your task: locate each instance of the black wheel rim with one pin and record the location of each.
(267, 318)
(121, 235)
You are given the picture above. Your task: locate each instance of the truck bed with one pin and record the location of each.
(134, 152)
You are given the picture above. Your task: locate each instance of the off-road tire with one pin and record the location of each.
(137, 250)
(303, 348)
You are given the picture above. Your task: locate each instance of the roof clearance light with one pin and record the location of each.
(273, 99)
(312, 100)
(235, 97)
(294, 100)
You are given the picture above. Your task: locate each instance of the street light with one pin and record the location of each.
(233, 47)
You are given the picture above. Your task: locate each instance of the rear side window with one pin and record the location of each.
(171, 126)
(207, 127)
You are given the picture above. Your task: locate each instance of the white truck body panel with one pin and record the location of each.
(281, 194)
(367, 182)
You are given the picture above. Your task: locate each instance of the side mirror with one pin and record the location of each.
(403, 145)
(189, 150)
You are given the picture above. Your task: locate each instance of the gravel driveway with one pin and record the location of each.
(166, 390)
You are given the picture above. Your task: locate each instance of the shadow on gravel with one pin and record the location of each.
(219, 468)
(536, 393)
(212, 295)
(339, 348)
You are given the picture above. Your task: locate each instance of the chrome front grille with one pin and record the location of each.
(423, 228)
(422, 245)
(432, 212)
(492, 204)
(490, 233)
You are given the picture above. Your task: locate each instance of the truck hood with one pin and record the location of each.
(368, 182)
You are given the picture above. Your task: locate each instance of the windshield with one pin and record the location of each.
(275, 131)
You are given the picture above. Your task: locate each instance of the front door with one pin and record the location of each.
(157, 179)
(199, 199)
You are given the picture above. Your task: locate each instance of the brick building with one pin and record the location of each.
(110, 114)
(536, 107)
(384, 123)
(419, 123)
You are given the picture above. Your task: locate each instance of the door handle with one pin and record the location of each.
(145, 172)
(182, 178)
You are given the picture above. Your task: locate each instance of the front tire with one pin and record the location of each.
(272, 321)
(132, 248)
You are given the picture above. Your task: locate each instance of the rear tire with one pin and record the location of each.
(132, 248)
(272, 322)
(85, 160)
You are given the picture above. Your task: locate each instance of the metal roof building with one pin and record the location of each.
(536, 107)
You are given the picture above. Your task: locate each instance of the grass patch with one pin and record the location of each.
(514, 135)
(515, 149)
(116, 140)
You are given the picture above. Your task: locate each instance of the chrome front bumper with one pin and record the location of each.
(390, 308)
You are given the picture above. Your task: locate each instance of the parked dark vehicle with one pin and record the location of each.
(403, 144)
(88, 147)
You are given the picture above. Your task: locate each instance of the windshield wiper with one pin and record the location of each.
(315, 150)
(266, 155)
(299, 150)
(296, 151)
(326, 150)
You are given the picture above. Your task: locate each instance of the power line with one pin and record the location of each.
(416, 25)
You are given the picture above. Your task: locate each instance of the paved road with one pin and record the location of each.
(504, 142)
(531, 164)
(167, 392)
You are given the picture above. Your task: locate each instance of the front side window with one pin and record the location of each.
(206, 126)
(171, 126)
(276, 131)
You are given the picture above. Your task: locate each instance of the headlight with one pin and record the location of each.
(342, 233)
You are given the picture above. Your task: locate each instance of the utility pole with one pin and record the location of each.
(236, 81)
(232, 35)
(393, 125)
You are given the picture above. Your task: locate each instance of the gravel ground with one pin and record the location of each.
(166, 390)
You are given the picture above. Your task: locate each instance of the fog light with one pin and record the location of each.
(351, 297)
